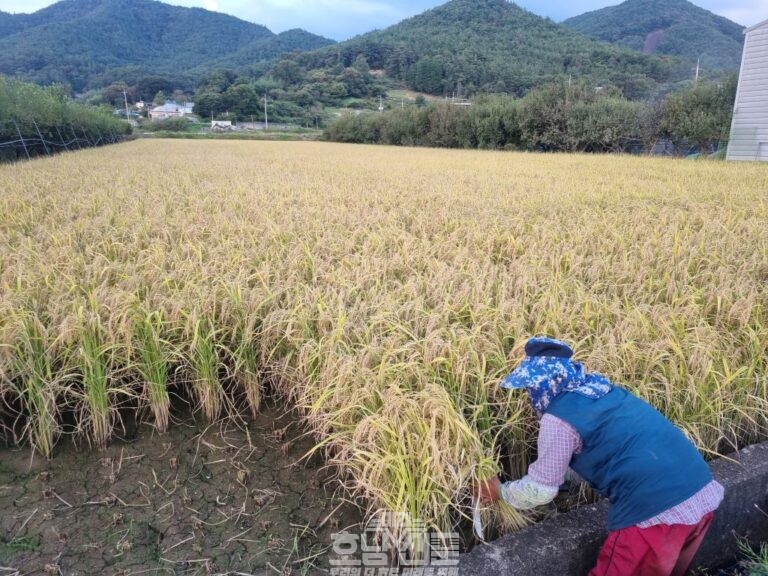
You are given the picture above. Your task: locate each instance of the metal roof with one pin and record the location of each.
(756, 26)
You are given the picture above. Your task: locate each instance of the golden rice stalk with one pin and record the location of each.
(204, 365)
(415, 457)
(389, 268)
(153, 361)
(38, 384)
(93, 360)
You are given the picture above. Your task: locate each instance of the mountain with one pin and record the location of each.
(88, 43)
(671, 27)
(6, 23)
(271, 48)
(492, 46)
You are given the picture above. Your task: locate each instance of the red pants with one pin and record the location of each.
(663, 550)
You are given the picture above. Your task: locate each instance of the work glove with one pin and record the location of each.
(487, 491)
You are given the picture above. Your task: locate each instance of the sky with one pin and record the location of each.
(343, 19)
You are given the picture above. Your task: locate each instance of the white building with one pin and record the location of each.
(749, 129)
(170, 110)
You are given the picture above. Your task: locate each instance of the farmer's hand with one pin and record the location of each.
(487, 490)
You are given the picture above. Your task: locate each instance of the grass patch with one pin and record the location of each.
(11, 548)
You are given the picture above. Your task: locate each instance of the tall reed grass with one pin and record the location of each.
(381, 292)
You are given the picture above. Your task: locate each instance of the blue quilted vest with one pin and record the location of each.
(631, 454)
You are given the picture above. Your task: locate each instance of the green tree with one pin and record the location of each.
(429, 76)
(578, 117)
(700, 115)
(649, 124)
(160, 98)
(356, 84)
(208, 104)
(149, 86)
(218, 81)
(116, 93)
(496, 122)
(288, 73)
(242, 100)
(180, 96)
(361, 64)
(544, 118)
(606, 124)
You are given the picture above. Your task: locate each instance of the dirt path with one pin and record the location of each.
(194, 501)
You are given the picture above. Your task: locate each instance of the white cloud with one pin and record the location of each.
(23, 6)
(746, 12)
(349, 7)
(341, 19)
(333, 18)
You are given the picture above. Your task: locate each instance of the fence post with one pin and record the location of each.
(86, 137)
(41, 138)
(76, 139)
(24, 144)
(63, 142)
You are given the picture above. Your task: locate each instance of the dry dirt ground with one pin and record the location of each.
(198, 500)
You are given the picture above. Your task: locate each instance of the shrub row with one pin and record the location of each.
(38, 120)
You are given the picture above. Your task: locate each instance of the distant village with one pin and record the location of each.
(172, 109)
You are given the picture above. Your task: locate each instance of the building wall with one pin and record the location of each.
(163, 115)
(749, 130)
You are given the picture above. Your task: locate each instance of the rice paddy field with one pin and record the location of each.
(380, 293)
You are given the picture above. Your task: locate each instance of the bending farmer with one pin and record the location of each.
(661, 491)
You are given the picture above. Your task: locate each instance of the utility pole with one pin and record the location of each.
(698, 61)
(125, 98)
(266, 118)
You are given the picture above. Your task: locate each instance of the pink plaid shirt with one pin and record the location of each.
(558, 441)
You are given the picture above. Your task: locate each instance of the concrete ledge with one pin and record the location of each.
(568, 544)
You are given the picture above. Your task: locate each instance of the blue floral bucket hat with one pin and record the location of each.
(547, 371)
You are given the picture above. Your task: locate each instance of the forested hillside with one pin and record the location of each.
(671, 27)
(112, 51)
(461, 48)
(91, 43)
(6, 23)
(471, 46)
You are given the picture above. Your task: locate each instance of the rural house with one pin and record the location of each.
(749, 129)
(170, 109)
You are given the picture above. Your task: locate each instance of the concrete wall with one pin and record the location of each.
(567, 545)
